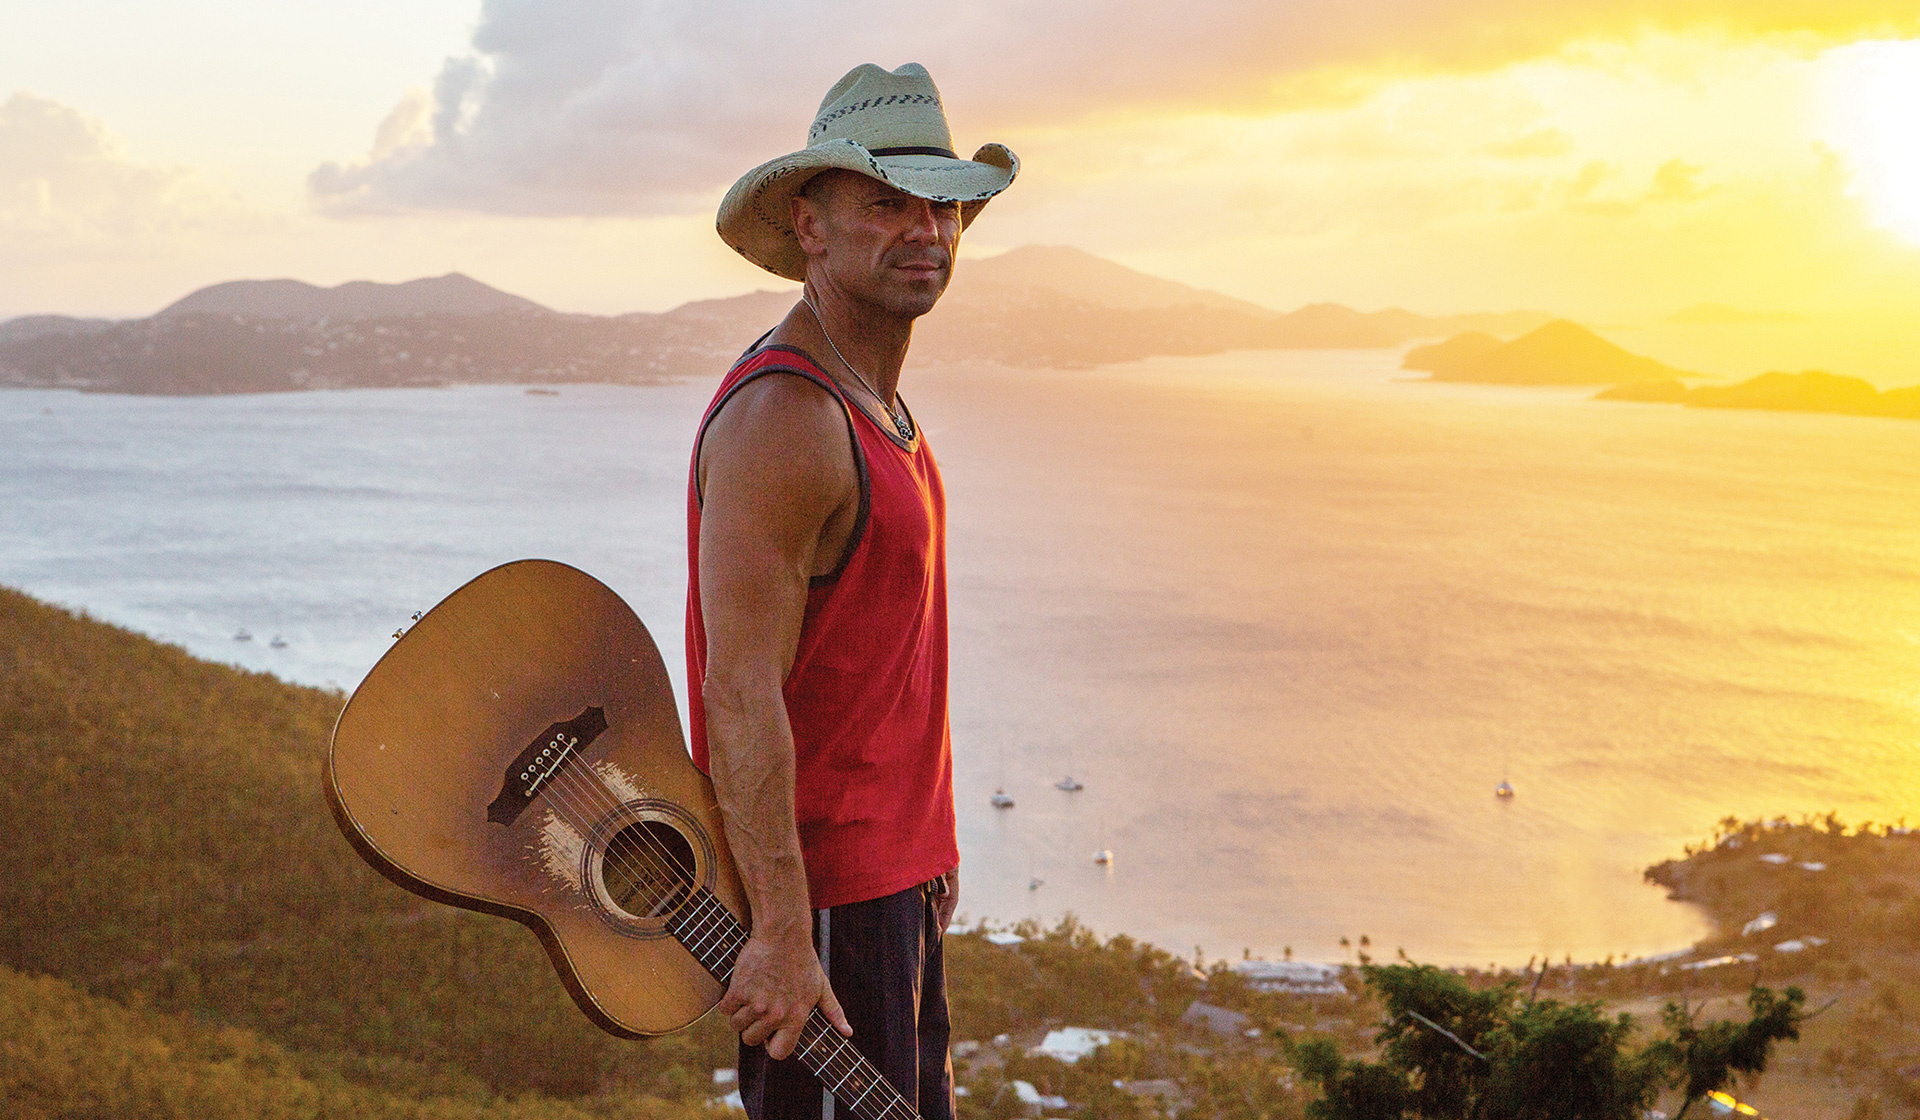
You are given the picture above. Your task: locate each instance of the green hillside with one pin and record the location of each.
(177, 905)
(164, 845)
(184, 933)
(65, 1053)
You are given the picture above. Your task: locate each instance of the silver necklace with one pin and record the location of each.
(900, 423)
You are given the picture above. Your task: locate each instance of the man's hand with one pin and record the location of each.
(777, 982)
(944, 905)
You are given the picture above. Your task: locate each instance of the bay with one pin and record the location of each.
(1288, 617)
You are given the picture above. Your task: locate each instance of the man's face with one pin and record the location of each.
(878, 245)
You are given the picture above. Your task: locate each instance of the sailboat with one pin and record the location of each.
(1001, 799)
(1068, 784)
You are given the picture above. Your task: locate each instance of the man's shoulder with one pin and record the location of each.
(780, 389)
(783, 439)
(782, 409)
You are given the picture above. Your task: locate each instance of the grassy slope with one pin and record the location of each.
(166, 853)
(164, 842)
(65, 1053)
(1866, 904)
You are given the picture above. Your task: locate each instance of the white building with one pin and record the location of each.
(1293, 977)
(1070, 1044)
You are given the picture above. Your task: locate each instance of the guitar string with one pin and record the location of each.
(841, 1063)
(595, 793)
(578, 796)
(643, 845)
(580, 803)
(577, 802)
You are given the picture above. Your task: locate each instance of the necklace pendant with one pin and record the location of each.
(905, 429)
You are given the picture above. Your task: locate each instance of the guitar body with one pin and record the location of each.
(518, 752)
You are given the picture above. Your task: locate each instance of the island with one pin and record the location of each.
(1034, 307)
(1807, 391)
(1561, 352)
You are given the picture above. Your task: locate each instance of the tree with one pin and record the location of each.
(1450, 1051)
(1707, 1058)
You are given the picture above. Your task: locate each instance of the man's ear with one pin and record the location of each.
(808, 224)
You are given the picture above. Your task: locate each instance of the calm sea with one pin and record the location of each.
(1287, 617)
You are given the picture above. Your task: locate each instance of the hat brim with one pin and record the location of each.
(755, 217)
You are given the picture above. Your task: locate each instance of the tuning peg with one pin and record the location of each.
(398, 633)
(416, 615)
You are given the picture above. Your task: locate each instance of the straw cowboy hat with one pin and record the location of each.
(888, 126)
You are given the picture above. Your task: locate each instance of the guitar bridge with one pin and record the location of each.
(543, 760)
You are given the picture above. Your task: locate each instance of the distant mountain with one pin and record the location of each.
(1075, 274)
(1809, 391)
(1033, 307)
(452, 294)
(1056, 306)
(1559, 353)
(1457, 355)
(40, 326)
(198, 352)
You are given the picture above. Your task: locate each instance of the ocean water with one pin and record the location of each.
(1287, 616)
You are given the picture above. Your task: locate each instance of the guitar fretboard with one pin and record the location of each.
(714, 937)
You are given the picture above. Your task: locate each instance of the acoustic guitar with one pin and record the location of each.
(517, 752)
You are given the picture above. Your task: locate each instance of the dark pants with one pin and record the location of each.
(884, 962)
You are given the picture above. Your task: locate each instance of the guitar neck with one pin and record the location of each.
(714, 937)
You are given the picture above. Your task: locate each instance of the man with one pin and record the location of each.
(816, 615)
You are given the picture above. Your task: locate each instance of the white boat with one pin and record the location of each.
(1503, 791)
(242, 636)
(278, 642)
(1068, 784)
(1001, 799)
(1104, 857)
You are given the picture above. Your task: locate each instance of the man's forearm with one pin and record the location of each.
(750, 752)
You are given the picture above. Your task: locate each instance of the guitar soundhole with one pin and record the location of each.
(647, 869)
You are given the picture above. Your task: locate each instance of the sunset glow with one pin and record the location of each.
(1574, 158)
(1416, 613)
(1873, 118)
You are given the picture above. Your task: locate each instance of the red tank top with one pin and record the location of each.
(867, 697)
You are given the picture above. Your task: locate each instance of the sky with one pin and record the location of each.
(1622, 161)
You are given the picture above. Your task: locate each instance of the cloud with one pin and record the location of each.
(64, 179)
(87, 227)
(595, 107)
(1657, 174)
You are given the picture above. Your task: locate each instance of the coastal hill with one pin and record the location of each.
(452, 294)
(182, 922)
(37, 326)
(1057, 306)
(1023, 274)
(1808, 391)
(1559, 353)
(1033, 307)
(1565, 353)
(184, 932)
(1453, 359)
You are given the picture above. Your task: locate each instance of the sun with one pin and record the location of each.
(1873, 119)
